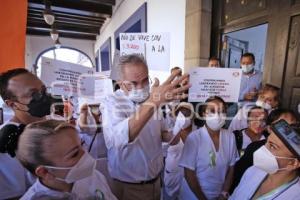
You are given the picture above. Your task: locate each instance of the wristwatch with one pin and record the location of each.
(225, 194)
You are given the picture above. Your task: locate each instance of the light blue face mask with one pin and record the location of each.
(139, 95)
(247, 68)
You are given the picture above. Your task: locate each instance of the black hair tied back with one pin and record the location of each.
(9, 136)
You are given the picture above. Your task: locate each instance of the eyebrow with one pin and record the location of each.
(72, 150)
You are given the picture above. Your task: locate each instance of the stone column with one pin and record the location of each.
(197, 33)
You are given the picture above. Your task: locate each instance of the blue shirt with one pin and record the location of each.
(249, 82)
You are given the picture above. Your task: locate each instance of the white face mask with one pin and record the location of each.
(266, 161)
(263, 105)
(215, 121)
(139, 95)
(247, 68)
(82, 169)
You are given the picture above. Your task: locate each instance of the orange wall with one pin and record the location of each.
(13, 17)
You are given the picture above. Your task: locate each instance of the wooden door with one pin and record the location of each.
(291, 81)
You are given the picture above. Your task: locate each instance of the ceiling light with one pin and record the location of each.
(54, 34)
(48, 14)
(57, 44)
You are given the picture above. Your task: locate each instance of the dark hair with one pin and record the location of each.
(198, 120)
(4, 79)
(9, 136)
(214, 58)
(249, 55)
(258, 108)
(175, 68)
(275, 115)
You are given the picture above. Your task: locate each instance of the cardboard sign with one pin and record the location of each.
(154, 47)
(207, 82)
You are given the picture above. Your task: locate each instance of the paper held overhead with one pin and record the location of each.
(207, 82)
(70, 79)
(154, 47)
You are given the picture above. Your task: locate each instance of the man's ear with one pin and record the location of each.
(43, 173)
(10, 103)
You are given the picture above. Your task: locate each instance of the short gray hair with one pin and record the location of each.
(130, 59)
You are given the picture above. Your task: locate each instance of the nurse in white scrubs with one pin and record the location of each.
(173, 174)
(209, 155)
(275, 174)
(52, 151)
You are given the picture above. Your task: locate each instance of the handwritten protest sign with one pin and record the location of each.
(154, 47)
(222, 82)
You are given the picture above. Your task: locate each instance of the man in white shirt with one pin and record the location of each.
(26, 95)
(133, 129)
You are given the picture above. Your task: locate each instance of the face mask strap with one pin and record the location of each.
(59, 168)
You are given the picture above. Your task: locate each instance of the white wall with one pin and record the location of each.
(257, 38)
(162, 16)
(36, 44)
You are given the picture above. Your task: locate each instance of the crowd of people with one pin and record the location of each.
(146, 141)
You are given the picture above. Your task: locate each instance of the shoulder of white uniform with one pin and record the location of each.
(117, 96)
(194, 135)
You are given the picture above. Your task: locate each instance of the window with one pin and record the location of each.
(64, 54)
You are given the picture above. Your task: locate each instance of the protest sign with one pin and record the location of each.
(207, 82)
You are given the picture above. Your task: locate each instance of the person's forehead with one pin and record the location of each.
(62, 142)
(135, 72)
(214, 104)
(268, 93)
(246, 59)
(213, 61)
(24, 82)
(257, 113)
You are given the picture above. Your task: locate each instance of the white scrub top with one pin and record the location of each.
(87, 188)
(251, 180)
(144, 154)
(173, 173)
(247, 140)
(199, 154)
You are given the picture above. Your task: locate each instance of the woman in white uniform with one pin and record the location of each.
(52, 151)
(275, 174)
(173, 174)
(255, 130)
(209, 155)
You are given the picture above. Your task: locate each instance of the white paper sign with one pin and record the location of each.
(63, 77)
(155, 47)
(207, 82)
